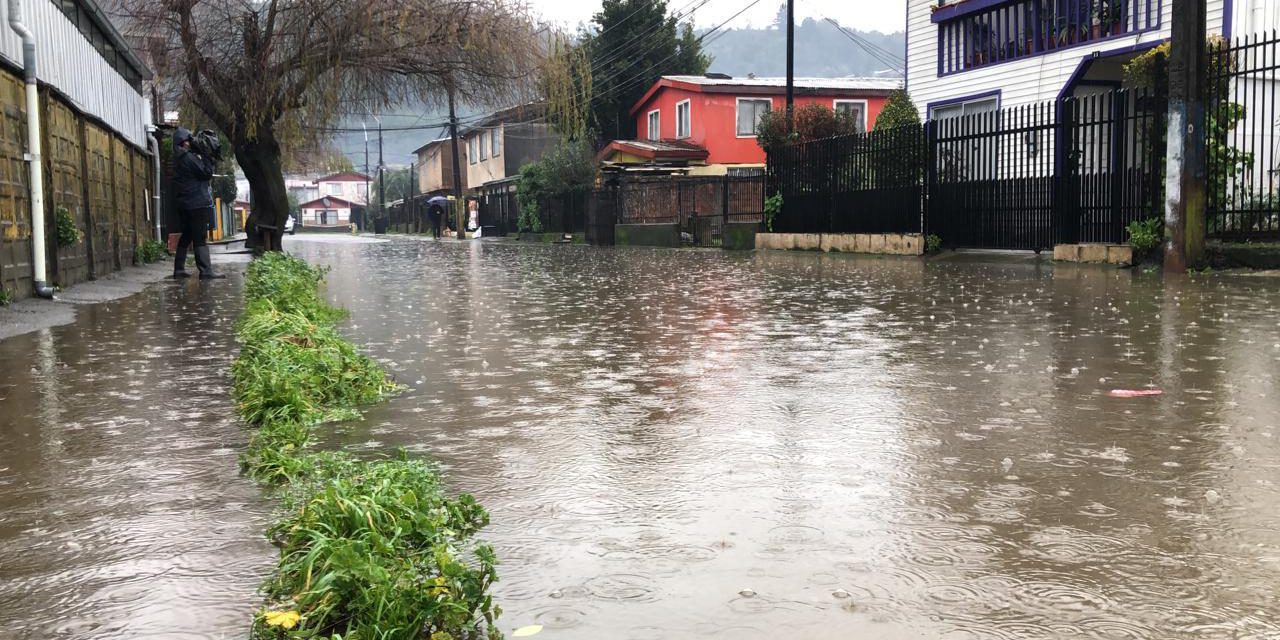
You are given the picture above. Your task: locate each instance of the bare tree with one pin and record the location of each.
(276, 73)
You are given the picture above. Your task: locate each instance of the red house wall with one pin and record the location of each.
(713, 120)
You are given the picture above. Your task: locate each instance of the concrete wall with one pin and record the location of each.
(647, 235)
(897, 244)
(92, 171)
(1118, 254)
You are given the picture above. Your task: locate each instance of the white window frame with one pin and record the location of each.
(737, 114)
(495, 144)
(688, 121)
(963, 106)
(835, 106)
(472, 148)
(654, 123)
(484, 146)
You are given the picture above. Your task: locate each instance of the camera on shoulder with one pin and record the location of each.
(207, 144)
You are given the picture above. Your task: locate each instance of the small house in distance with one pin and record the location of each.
(708, 123)
(327, 212)
(349, 186)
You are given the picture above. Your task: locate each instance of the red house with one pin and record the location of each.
(708, 122)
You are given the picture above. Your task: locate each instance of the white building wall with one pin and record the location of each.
(1025, 81)
(67, 61)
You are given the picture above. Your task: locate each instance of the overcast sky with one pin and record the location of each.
(865, 15)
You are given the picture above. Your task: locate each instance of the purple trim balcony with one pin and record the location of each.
(979, 33)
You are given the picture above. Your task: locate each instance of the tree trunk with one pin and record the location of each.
(263, 165)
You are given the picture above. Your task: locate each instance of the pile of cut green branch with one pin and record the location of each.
(368, 549)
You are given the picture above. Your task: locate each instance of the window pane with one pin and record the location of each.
(484, 146)
(654, 133)
(749, 114)
(682, 120)
(497, 142)
(980, 106)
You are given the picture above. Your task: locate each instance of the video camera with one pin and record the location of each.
(207, 144)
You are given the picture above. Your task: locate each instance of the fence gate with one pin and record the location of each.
(602, 215)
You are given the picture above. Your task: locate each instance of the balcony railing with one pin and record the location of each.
(978, 33)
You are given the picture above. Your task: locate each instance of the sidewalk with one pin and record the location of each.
(33, 314)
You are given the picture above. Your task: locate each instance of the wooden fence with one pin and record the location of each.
(100, 179)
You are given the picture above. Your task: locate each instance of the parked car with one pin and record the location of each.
(289, 226)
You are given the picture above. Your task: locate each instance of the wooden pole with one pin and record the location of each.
(1184, 214)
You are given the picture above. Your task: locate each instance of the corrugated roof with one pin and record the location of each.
(870, 84)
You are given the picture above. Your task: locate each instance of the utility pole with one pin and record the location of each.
(1185, 175)
(791, 62)
(367, 199)
(382, 184)
(457, 166)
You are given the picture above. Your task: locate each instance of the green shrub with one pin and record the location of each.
(150, 251)
(6, 298)
(368, 549)
(67, 232)
(1145, 235)
(772, 207)
(932, 243)
(379, 552)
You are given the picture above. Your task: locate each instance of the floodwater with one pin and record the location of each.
(696, 444)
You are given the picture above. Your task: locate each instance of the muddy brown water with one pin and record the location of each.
(689, 444)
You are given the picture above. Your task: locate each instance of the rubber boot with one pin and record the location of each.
(205, 265)
(180, 263)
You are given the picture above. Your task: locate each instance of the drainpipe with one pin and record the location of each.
(154, 145)
(33, 158)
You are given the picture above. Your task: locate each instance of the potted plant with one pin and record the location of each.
(1111, 14)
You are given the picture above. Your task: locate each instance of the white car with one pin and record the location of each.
(289, 227)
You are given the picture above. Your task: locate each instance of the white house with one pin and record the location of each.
(327, 211)
(350, 186)
(975, 56)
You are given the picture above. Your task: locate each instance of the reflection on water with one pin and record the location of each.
(689, 444)
(121, 512)
(867, 448)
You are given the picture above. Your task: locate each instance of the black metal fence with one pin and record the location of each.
(1078, 170)
(1243, 147)
(864, 183)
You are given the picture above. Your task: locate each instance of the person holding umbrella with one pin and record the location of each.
(436, 207)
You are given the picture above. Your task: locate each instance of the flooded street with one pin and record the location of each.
(121, 512)
(690, 444)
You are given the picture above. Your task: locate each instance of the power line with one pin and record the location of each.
(884, 57)
(700, 39)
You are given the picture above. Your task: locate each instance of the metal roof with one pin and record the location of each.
(854, 83)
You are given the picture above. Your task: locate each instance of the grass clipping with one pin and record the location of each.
(367, 549)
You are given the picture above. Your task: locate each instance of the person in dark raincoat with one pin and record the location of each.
(193, 195)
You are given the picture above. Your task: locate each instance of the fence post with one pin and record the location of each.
(929, 156)
(724, 203)
(1067, 196)
(1119, 172)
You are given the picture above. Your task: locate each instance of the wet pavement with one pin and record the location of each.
(688, 444)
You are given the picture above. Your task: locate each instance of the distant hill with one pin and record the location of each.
(821, 51)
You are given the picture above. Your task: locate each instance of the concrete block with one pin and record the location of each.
(913, 244)
(766, 241)
(842, 242)
(1121, 254)
(1093, 253)
(877, 243)
(895, 244)
(808, 241)
(1066, 253)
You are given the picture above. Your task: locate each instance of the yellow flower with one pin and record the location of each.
(441, 587)
(283, 619)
